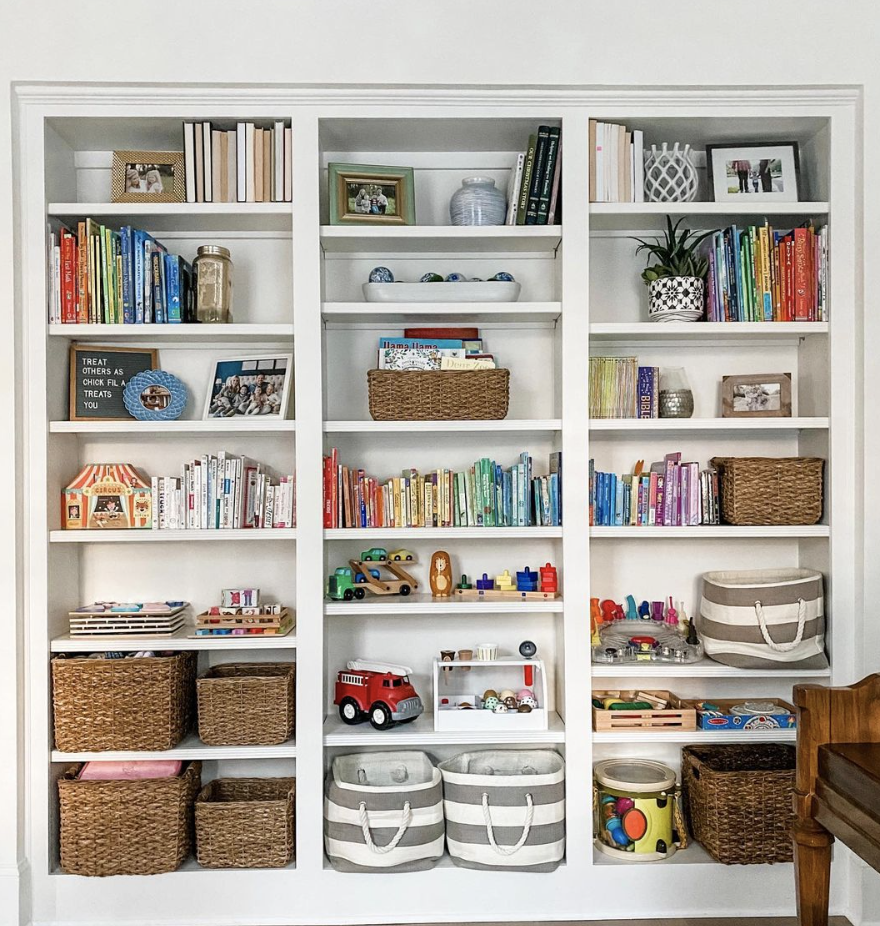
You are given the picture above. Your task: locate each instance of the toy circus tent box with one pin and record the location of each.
(111, 495)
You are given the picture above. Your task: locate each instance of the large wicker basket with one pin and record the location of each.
(142, 827)
(433, 395)
(245, 823)
(101, 704)
(247, 704)
(740, 800)
(770, 490)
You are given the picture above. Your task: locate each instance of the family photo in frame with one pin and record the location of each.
(250, 387)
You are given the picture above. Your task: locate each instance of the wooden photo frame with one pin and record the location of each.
(756, 395)
(235, 381)
(148, 177)
(98, 377)
(754, 172)
(361, 194)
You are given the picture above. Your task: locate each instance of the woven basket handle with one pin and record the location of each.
(765, 632)
(405, 820)
(508, 850)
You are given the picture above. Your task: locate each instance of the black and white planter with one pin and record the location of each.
(676, 299)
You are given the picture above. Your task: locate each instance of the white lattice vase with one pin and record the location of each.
(670, 174)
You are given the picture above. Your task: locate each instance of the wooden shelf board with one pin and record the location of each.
(696, 736)
(695, 854)
(255, 425)
(705, 668)
(480, 427)
(190, 748)
(366, 534)
(737, 425)
(726, 531)
(346, 314)
(177, 216)
(151, 536)
(440, 238)
(707, 331)
(192, 334)
(179, 641)
(651, 216)
(426, 604)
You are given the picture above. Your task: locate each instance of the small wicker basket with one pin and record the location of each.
(142, 827)
(247, 704)
(434, 395)
(770, 490)
(245, 823)
(740, 800)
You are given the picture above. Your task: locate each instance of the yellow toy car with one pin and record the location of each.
(401, 556)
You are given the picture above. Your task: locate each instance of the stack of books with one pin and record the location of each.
(484, 495)
(758, 274)
(223, 492)
(617, 164)
(247, 164)
(620, 388)
(669, 494)
(101, 276)
(534, 192)
(434, 349)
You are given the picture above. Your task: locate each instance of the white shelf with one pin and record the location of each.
(190, 748)
(480, 427)
(696, 736)
(367, 534)
(348, 314)
(151, 536)
(648, 216)
(421, 732)
(426, 239)
(694, 854)
(255, 425)
(426, 604)
(734, 425)
(707, 331)
(179, 641)
(725, 531)
(705, 668)
(193, 334)
(174, 216)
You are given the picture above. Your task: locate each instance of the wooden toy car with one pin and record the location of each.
(375, 555)
(376, 691)
(400, 555)
(402, 583)
(343, 586)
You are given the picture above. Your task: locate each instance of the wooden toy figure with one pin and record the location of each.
(441, 574)
(504, 582)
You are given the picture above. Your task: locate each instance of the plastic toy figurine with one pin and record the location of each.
(632, 613)
(527, 581)
(611, 611)
(657, 608)
(671, 614)
(645, 611)
(376, 691)
(441, 574)
(692, 638)
(549, 578)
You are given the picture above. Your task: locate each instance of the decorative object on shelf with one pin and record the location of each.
(241, 613)
(432, 287)
(764, 618)
(478, 202)
(752, 172)
(435, 395)
(670, 174)
(381, 275)
(734, 714)
(155, 395)
(676, 399)
(617, 163)
(129, 619)
(98, 377)
(107, 496)
(364, 194)
(251, 386)
(487, 651)
(441, 574)
(213, 284)
(363, 575)
(756, 395)
(642, 710)
(148, 177)
(380, 692)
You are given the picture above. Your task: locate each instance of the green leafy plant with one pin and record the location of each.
(676, 254)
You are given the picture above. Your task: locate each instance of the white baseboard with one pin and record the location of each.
(14, 886)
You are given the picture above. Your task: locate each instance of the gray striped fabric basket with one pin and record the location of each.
(764, 618)
(505, 809)
(383, 812)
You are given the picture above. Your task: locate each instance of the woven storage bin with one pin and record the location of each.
(102, 704)
(770, 490)
(140, 827)
(427, 395)
(246, 704)
(245, 823)
(740, 800)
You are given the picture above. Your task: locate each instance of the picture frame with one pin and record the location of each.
(271, 374)
(754, 172)
(756, 395)
(98, 376)
(155, 395)
(148, 177)
(365, 194)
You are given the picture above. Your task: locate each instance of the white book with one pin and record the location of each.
(154, 492)
(269, 506)
(639, 161)
(231, 167)
(600, 162)
(217, 165)
(288, 154)
(513, 193)
(278, 162)
(241, 163)
(189, 160)
(204, 473)
(208, 162)
(612, 153)
(250, 163)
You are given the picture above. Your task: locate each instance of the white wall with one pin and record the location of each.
(477, 42)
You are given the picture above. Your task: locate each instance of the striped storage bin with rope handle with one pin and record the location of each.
(505, 809)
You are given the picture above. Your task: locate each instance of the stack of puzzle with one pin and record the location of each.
(113, 618)
(240, 613)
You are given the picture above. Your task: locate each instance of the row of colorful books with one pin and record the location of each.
(620, 388)
(434, 349)
(758, 274)
(617, 164)
(483, 495)
(223, 492)
(533, 196)
(247, 164)
(101, 276)
(670, 493)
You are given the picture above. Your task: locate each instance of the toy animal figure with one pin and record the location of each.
(441, 575)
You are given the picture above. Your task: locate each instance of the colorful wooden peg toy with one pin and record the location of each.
(530, 585)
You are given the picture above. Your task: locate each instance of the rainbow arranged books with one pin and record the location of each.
(620, 388)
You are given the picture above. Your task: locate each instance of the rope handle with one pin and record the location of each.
(508, 850)
(405, 820)
(765, 632)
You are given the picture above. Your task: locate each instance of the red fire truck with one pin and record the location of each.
(380, 692)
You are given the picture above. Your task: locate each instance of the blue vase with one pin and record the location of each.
(478, 202)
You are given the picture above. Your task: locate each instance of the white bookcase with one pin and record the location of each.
(298, 282)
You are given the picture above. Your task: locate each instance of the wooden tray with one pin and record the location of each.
(236, 625)
(677, 716)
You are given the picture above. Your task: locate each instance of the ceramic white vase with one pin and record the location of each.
(670, 174)
(478, 202)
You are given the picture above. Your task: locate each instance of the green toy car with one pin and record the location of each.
(374, 555)
(342, 586)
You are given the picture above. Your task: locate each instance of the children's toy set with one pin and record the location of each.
(110, 495)
(240, 613)
(131, 619)
(380, 692)
(653, 631)
(759, 714)
(365, 575)
(530, 585)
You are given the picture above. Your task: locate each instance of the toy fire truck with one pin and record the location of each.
(380, 692)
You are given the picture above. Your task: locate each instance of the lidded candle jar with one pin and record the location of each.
(213, 270)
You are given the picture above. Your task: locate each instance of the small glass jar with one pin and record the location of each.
(676, 399)
(213, 269)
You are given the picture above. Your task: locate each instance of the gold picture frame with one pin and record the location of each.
(756, 395)
(148, 177)
(368, 194)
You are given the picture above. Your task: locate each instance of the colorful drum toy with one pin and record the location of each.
(634, 819)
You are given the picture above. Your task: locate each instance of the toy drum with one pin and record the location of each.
(634, 809)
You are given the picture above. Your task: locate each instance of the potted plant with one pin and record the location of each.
(676, 280)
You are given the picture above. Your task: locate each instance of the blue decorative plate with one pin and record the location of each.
(154, 395)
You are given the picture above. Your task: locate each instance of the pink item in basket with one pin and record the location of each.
(130, 771)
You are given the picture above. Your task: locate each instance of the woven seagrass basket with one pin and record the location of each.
(142, 827)
(245, 823)
(145, 703)
(740, 800)
(770, 490)
(434, 395)
(246, 704)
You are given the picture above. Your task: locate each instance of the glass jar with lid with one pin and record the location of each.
(213, 271)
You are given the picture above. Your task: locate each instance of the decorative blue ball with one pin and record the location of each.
(431, 278)
(477, 280)
(504, 277)
(381, 275)
(456, 278)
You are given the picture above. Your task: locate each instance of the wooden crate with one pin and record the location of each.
(678, 715)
